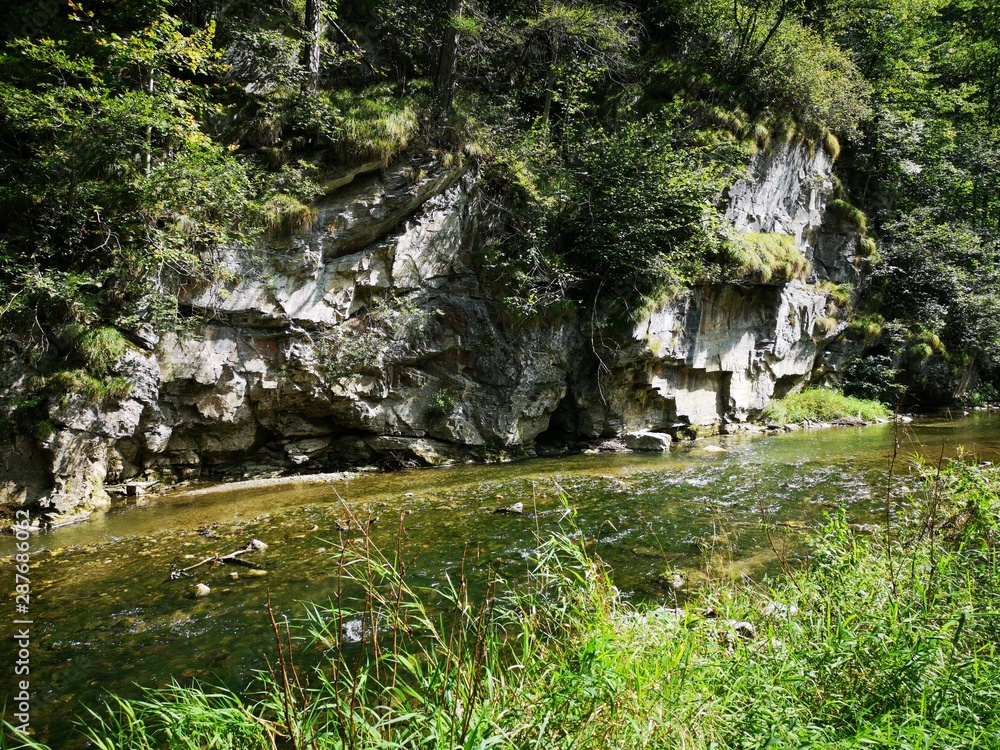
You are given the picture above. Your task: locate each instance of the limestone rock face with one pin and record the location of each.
(713, 355)
(372, 338)
(787, 192)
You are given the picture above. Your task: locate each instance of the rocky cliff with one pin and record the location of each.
(372, 339)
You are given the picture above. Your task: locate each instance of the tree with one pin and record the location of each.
(567, 39)
(311, 52)
(110, 180)
(444, 82)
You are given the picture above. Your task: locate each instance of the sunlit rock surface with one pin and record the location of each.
(372, 339)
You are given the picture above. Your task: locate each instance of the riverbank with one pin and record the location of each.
(810, 410)
(872, 643)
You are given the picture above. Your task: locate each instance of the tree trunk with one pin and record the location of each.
(149, 128)
(550, 83)
(444, 83)
(314, 19)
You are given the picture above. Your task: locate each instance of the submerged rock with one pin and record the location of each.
(201, 589)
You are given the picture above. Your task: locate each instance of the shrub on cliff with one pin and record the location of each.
(645, 206)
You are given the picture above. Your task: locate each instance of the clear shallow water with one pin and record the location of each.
(106, 616)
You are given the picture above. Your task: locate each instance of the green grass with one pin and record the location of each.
(850, 213)
(821, 405)
(99, 348)
(285, 213)
(866, 327)
(373, 125)
(832, 145)
(766, 257)
(96, 390)
(871, 644)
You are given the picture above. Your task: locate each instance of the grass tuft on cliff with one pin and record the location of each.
(821, 405)
(871, 644)
(765, 257)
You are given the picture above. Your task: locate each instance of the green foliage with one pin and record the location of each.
(985, 393)
(866, 327)
(811, 77)
(942, 279)
(659, 222)
(100, 348)
(850, 213)
(920, 351)
(568, 47)
(838, 295)
(442, 404)
(284, 213)
(762, 57)
(832, 145)
(109, 176)
(372, 125)
(80, 382)
(867, 247)
(873, 377)
(765, 257)
(821, 405)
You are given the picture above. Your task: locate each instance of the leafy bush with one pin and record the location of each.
(850, 213)
(655, 223)
(866, 327)
(762, 57)
(873, 377)
(442, 404)
(941, 279)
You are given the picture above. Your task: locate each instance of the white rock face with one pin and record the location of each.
(372, 338)
(721, 352)
(786, 192)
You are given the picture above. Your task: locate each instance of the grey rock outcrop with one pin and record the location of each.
(787, 192)
(372, 338)
(647, 442)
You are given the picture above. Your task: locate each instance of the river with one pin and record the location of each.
(106, 617)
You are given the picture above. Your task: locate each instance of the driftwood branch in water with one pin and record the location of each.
(233, 558)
